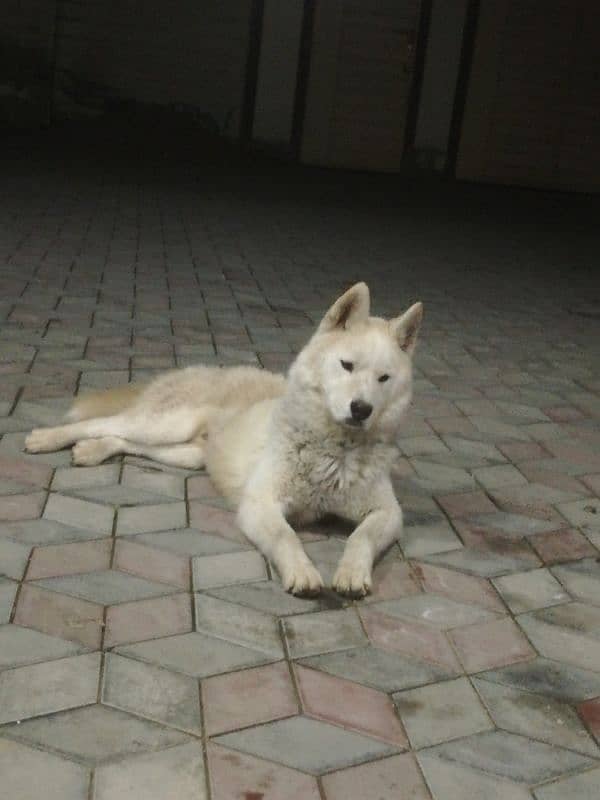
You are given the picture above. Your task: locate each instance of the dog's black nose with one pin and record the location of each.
(360, 410)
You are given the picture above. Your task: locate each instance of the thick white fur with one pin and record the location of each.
(283, 451)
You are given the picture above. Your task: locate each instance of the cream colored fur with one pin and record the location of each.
(284, 451)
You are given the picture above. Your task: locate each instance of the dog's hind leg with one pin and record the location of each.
(164, 428)
(380, 526)
(90, 452)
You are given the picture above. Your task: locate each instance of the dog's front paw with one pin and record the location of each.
(302, 578)
(353, 579)
(41, 440)
(90, 452)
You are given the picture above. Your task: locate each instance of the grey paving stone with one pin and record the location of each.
(267, 596)
(484, 563)
(13, 559)
(559, 642)
(20, 646)
(378, 668)
(47, 687)
(228, 568)
(578, 787)
(512, 756)
(498, 476)
(145, 519)
(585, 514)
(176, 773)
(527, 591)
(441, 711)
(238, 624)
(13, 444)
(150, 691)
(323, 632)
(28, 774)
(306, 744)
(581, 579)
(106, 587)
(452, 781)
(513, 525)
(79, 513)
(44, 531)
(436, 610)
(67, 478)
(546, 677)
(195, 654)
(96, 733)
(537, 716)
(121, 496)
(8, 591)
(151, 480)
(190, 542)
(427, 539)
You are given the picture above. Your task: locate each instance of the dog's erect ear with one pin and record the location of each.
(406, 327)
(350, 308)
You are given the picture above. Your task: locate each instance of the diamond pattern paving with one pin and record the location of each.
(145, 650)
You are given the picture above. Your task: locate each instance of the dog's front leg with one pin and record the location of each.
(261, 519)
(378, 529)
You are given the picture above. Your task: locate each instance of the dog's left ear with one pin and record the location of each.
(406, 327)
(352, 307)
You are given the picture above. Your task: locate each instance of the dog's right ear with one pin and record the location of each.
(352, 307)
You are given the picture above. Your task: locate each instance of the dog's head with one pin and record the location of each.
(361, 365)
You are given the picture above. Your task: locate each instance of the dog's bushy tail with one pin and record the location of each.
(104, 403)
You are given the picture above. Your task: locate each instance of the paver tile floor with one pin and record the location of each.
(146, 650)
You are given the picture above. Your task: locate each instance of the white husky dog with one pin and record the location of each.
(283, 450)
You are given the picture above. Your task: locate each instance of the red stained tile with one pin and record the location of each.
(25, 472)
(350, 705)
(488, 645)
(68, 559)
(201, 487)
(563, 414)
(555, 480)
(147, 562)
(60, 615)
(148, 619)
(14, 507)
(395, 778)
(236, 776)
(393, 579)
(461, 505)
(522, 451)
(563, 545)
(412, 639)
(453, 426)
(590, 714)
(215, 520)
(248, 697)
(457, 586)
(593, 483)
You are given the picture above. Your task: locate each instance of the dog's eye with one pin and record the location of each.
(347, 365)
(383, 378)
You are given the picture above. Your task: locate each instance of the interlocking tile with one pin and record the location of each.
(462, 505)
(590, 714)
(428, 538)
(248, 697)
(25, 771)
(486, 562)
(453, 781)
(238, 775)
(195, 654)
(148, 619)
(238, 624)
(563, 545)
(467, 589)
(537, 716)
(512, 526)
(581, 578)
(13, 559)
(350, 705)
(436, 610)
(323, 632)
(146, 519)
(546, 677)
(47, 687)
(69, 478)
(152, 563)
(395, 777)
(577, 787)
(268, 596)
(120, 496)
(106, 586)
(25, 471)
(176, 773)
(60, 615)
(526, 591)
(534, 499)
(584, 514)
(25, 646)
(45, 531)
(512, 756)
(190, 542)
(487, 645)
(210, 519)
(228, 568)
(441, 711)
(79, 514)
(68, 559)
(498, 476)
(562, 637)
(151, 480)
(409, 638)
(8, 591)
(306, 744)
(394, 579)
(96, 733)
(150, 691)
(379, 668)
(21, 506)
